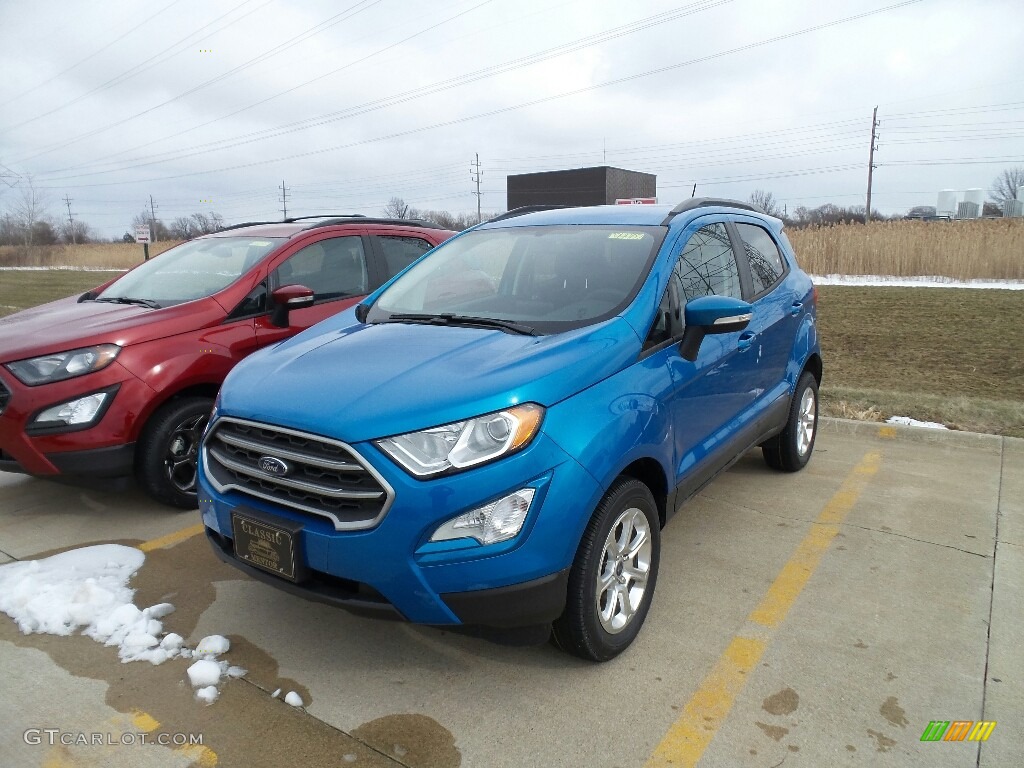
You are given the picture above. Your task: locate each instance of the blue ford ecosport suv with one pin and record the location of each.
(497, 436)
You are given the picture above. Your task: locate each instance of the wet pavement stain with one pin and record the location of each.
(416, 740)
(893, 712)
(792, 747)
(889, 677)
(775, 732)
(262, 669)
(884, 742)
(859, 644)
(850, 748)
(236, 725)
(784, 702)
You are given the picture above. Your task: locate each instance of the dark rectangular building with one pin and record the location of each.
(602, 185)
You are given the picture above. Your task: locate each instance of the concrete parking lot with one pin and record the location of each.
(822, 618)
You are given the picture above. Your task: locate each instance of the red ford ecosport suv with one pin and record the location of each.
(124, 377)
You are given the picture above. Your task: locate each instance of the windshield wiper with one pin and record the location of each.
(447, 318)
(126, 300)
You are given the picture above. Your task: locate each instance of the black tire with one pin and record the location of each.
(166, 455)
(580, 629)
(790, 450)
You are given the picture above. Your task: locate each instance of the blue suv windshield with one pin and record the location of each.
(545, 279)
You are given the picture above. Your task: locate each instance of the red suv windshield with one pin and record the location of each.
(192, 270)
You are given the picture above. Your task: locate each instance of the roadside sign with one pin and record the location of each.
(636, 201)
(142, 233)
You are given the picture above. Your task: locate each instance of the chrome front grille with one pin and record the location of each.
(322, 476)
(5, 396)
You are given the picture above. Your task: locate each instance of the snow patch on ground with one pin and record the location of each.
(69, 268)
(293, 698)
(86, 590)
(923, 281)
(906, 421)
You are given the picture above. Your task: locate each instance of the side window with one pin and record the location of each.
(253, 304)
(766, 265)
(400, 252)
(707, 265)
(332, 268)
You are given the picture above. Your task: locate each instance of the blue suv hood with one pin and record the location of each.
(356, 382)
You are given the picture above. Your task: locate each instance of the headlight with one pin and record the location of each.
(64, 365)
(498, 521)
(465, 443)
(79, 413)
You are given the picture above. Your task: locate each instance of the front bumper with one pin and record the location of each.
(392, 570)
(105, 449)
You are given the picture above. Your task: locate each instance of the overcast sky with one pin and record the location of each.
(210, 104)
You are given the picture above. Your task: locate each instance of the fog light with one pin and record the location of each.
(72, 413)
(498, 521)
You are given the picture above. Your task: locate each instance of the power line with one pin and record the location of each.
(71, 221)
(476, 176)
(152, 220)
(284, 200)
(146, 64)
(268, 54)
(533, 102)
(412, 94)
(92, 55)
(871, 160)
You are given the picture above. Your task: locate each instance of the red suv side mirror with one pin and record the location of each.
(287, 298)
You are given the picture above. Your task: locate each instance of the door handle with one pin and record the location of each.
(794, 310)
(745, 341)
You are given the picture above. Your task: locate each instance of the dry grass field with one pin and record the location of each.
(982, 248)
(95, 255)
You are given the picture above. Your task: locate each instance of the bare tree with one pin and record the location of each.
(396, 208)
(76, 232)
(1005, 185)
(766, 201)
(30, 209)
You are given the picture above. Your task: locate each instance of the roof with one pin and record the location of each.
(292, 227)
(626, 215)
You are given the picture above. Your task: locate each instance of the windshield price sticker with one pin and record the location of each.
(626, 236)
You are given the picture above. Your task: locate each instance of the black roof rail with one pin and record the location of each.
(293, 219)
(421, 223)
(523, 210)
(245, 224)
(705, 202)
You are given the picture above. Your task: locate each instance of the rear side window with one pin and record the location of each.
(766, 265)
(708, 266)
(400, 252)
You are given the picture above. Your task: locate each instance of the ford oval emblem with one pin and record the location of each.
(273, 466)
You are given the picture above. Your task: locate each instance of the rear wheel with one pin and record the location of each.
(166, 462)
(790, 450)
(613, 576)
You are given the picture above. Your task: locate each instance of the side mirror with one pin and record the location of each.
(287, 298)
(712, 314)
(362, 310)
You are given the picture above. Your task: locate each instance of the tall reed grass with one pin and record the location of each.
(96, 255)
(980, 248)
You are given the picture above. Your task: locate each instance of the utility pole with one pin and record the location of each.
(476, 175)
(71, 221)
(871, 161)
(152, 218)
(284, 200)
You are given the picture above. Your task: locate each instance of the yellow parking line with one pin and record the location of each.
(171, 539)
(144, 721)
(889, 433)
(707, 709)
(204, 757)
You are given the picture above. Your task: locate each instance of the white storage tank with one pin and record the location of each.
(946, 205)
(976, 197)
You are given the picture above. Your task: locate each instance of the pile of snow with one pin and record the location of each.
(922, 281)
(906, 421)
(87, 590)
(293, 698)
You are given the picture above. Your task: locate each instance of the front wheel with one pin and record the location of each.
(790, 450)
(166, 461)
(613, 576)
